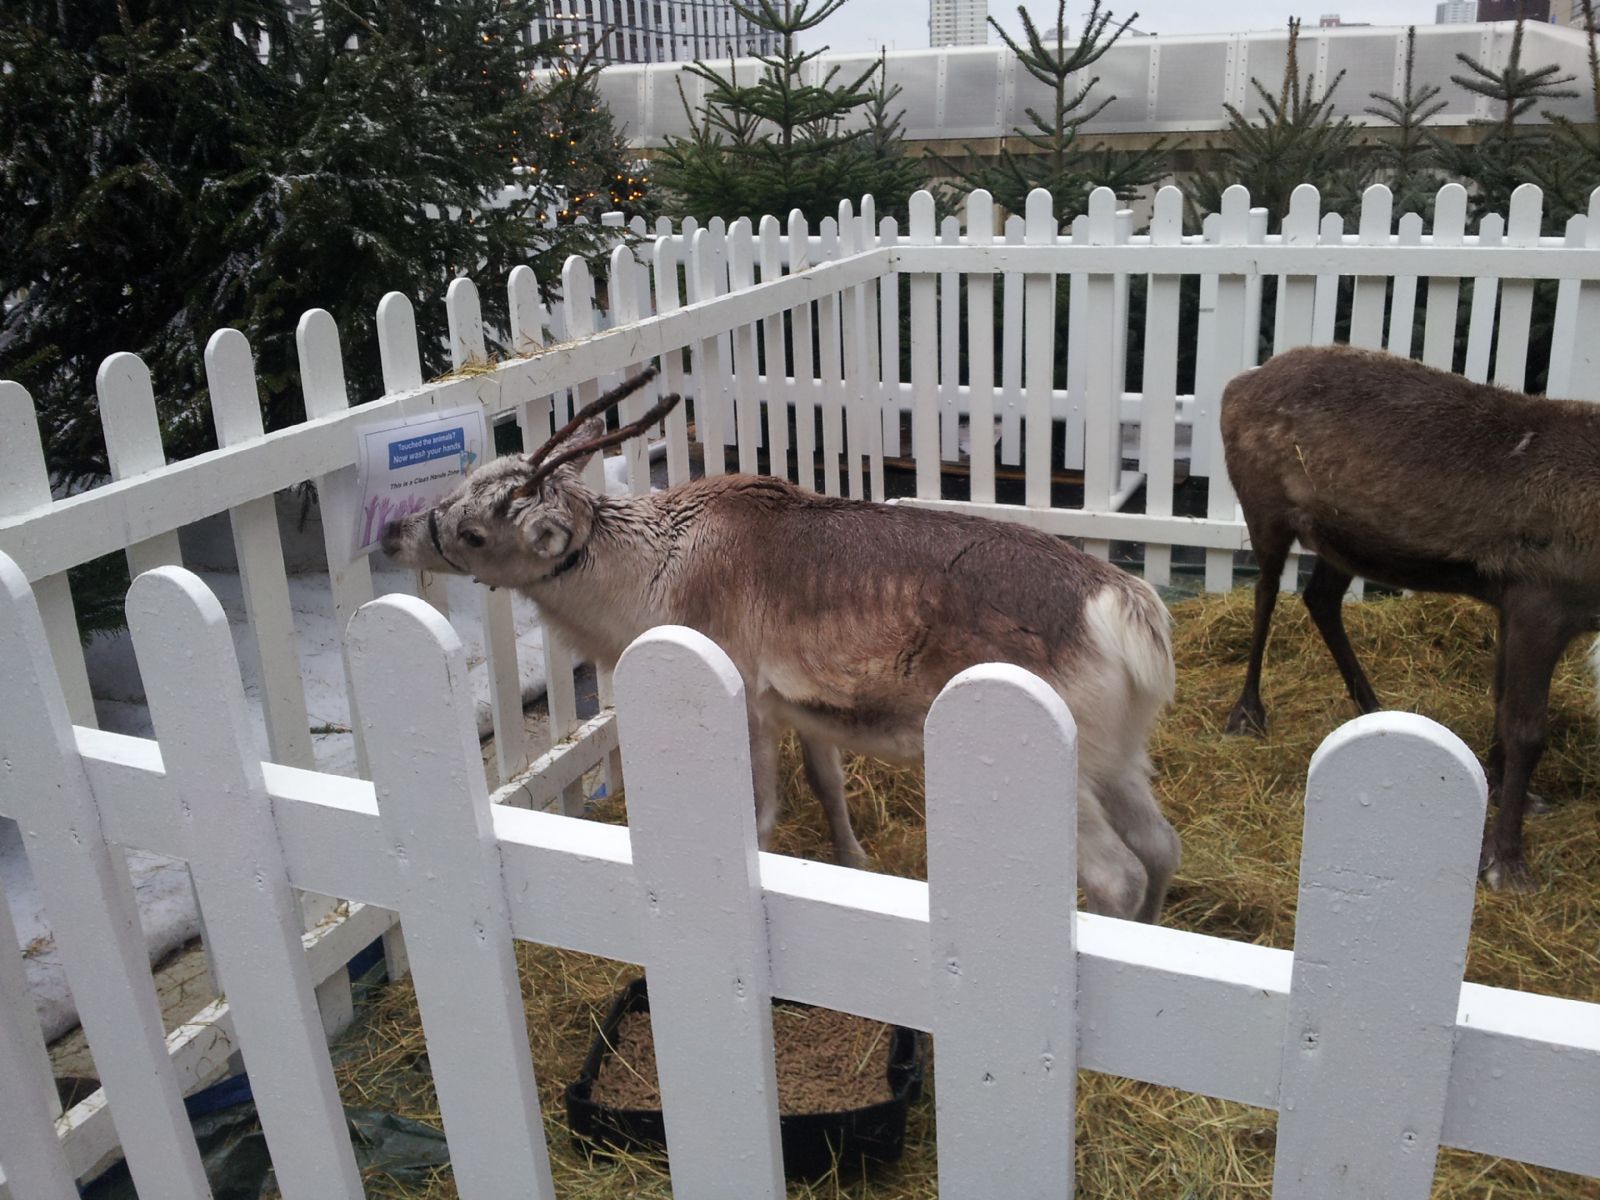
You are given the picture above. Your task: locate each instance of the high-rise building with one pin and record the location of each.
(1510, 10)
(645, 31)
(1456, 12)
(1570, 12)
(958, 22)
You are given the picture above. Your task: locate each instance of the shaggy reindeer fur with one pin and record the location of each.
(1421, 479)
(845, 620)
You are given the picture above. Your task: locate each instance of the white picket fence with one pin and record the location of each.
(755, 322)
(1365, 1039)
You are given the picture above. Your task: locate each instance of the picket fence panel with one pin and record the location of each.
(1363, 1038)
(784, 319)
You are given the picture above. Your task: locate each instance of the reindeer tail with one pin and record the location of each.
(1131, 626)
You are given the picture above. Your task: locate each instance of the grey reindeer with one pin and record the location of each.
(1419, 478)
(844, 618)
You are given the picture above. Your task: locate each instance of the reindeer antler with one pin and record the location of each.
(544, 467)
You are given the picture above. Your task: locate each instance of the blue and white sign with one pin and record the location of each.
(408, 466)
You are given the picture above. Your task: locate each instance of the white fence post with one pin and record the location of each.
(745, 371)
(1102, 397)
(437, 821)
(1011, 352)
(924, 338)
(1159, 412)
(1002, 765)
(830, 366)
(1233, 227)
(980, 351)
(769, 244)
(186, 655)
(1485, 297)
(1444, 291)
(805, 379)
(83, 881)
(691, 814)
(1039, 361)
(1394, 819)
(1516, 295)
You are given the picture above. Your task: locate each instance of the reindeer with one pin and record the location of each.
(844, 618)
(1421, 479)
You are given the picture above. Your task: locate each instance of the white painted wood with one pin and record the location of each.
(625, 278)
(1564, 325)
(1576, 373)
(924, 357)
(852, 317)
(350, 578)
(1516, 295)
(1485, 294)
(1297, 293)
(1159, 417)
(800, 327)
(676, 427)
(830, 368)
(83, 882)
(236, 411)
(1394, 817)
(400, 360)
(1002, 899)
(191, 674)
(1232, 229)
(889, 339)
(980, 352)
(1102, 425)
(1366, 305)
(1403, 300)
(34, 1161)
(949, 347)
(1444, 291)
(1039, 348)
(1255, 235)
(578, 319)
(1326, 312)
(25, 488)
(133, 445)
(1011, 352)
(746, 371)
(1078, 351)
(775, 359)
(1206, 394)
(872, 401)
(439, 836)
(709, 273)
(464, 314)
(691, 813)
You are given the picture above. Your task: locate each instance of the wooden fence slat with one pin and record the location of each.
(1039, 349)
(186, 655)
(1394, 817)
(889, 342)
(464, 315)
(1102, 399)
(133, 444)
(709, 272)
(980, 352)
(1403, 300)
(35, 1163)
(625, 310)
(830, 368)
(1202, 412)
(746, 374)
(578, 321)
(400, 359)
(1444, 291)
(236, 410)
(1159, 411)
(83, 882)
(1326, 311)
(665, 271)
(857, 389)
(1367, 301)
(872, 351)
(1297, 293)
(1516, 295)
(1232, 229)
(1564, 325)
(1078, 352)
(1004, 990)
(949, 347)
(1011, 351)
(1485, 293)
(774, 357)
(691, 817)
(1576, 373)
(805, 394)
(1256, 235)
(924, 356)
(25, 485)
(436, 818)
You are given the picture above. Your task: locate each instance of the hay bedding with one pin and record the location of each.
(1237, 803)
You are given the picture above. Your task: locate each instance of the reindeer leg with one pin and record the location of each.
(1133, 812)
(1249, 715)
(1112, 877)
(1536, 634)
(764, 769)
(1494, 767)
(1324, 597)
(825, 774)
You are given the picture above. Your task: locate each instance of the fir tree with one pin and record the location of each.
(1570, 169)
(1408, 159)
(1508, 154)
(775, 143)
(1057, 163)
(178, 165)
(1295, 139)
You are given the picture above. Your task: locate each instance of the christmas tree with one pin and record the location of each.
(1408, 159)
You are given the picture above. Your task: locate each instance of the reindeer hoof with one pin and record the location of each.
(1508, 875)
(857, 859)
(1244, 720)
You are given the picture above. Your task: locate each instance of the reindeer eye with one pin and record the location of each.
(473, 538)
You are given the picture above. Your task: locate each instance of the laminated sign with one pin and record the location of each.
(408, 466)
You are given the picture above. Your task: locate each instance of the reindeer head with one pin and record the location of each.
(522, 518)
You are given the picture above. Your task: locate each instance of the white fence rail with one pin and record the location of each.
(1364, 1039)
(859, 358)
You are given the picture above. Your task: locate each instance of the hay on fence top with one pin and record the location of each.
(1238, 804)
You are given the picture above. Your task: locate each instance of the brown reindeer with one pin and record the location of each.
(844, 618)
(1421, 479)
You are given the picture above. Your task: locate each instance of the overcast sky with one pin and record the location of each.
(903, 24)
